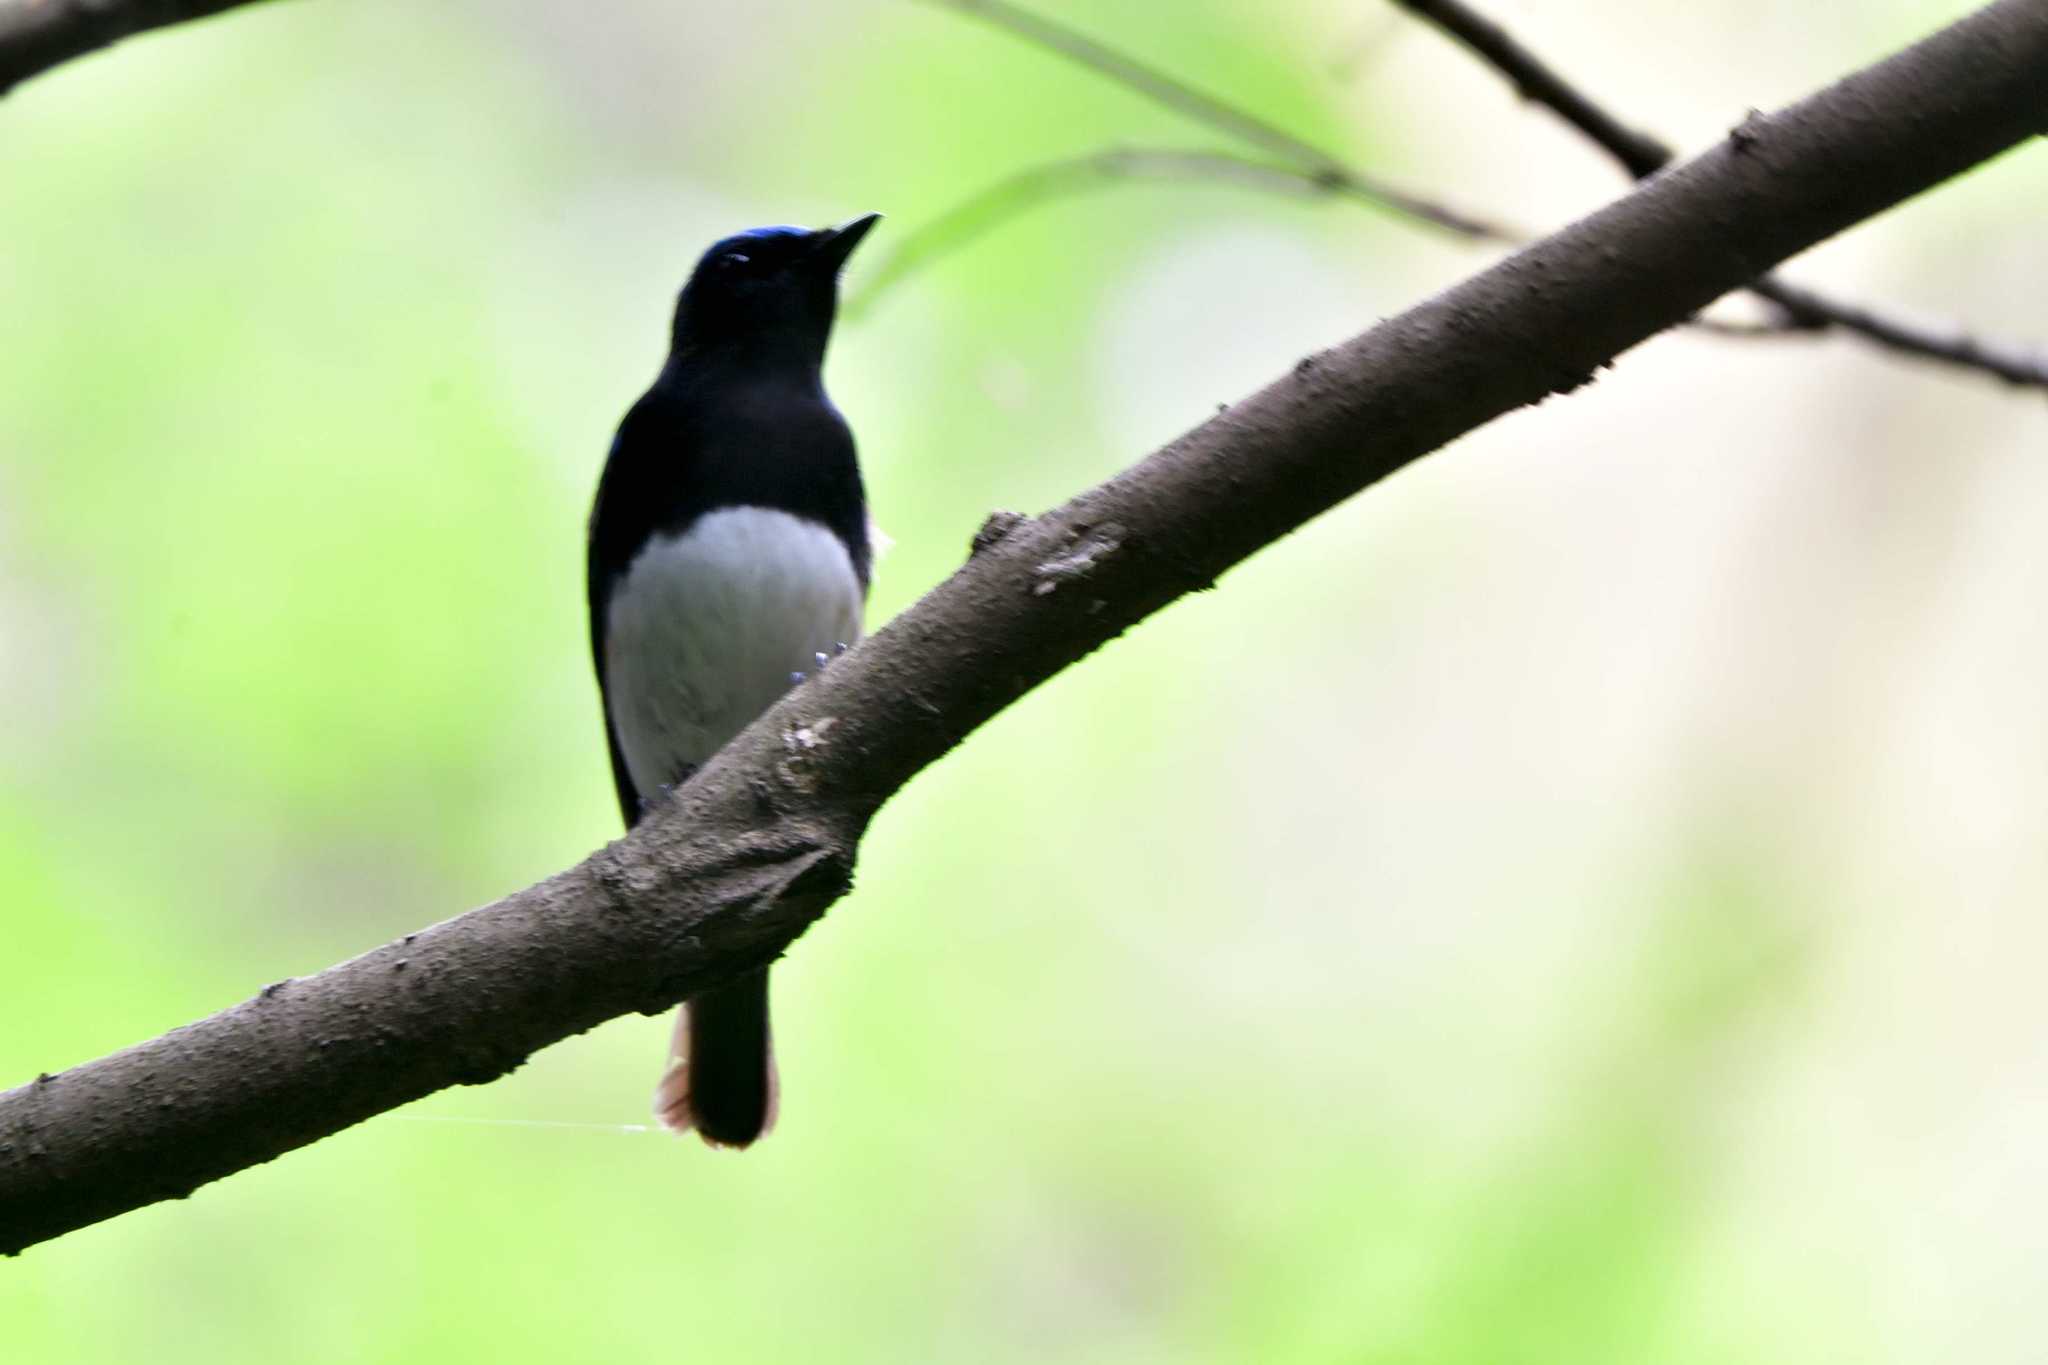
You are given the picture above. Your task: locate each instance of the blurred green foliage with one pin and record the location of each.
(1327, 973)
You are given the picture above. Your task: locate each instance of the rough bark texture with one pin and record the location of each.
(763, 839)
(36, 35)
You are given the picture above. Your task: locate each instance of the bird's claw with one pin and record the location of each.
(822, 660)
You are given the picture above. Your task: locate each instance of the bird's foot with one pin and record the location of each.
(821, 660)
(666, 791)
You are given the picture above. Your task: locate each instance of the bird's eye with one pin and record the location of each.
(732, 260)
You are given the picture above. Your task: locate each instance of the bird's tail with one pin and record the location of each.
(721, 1071)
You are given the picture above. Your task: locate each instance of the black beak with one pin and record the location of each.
(834, 244)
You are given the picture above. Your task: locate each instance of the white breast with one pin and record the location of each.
(705, 628)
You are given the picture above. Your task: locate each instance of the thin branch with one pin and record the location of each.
(957, 228)
(1365, 51)
(1801, 309)
(1815, 312)
(761, 841)
(1642, 156)
(1227, 118)
(1154, 84)
(1068, 177)
(36, 35)
(1742, 329)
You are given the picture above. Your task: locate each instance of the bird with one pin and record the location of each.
(729, 555)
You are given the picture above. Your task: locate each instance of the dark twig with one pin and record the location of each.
(1806, 310)
(1639, 153)
(1642, 156)
(36, 35)
(762, 839)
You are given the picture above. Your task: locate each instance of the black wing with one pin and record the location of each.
(709, 439)
(624, 515)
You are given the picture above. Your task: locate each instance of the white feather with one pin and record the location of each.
(705, 628)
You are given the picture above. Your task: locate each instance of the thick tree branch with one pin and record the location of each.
(1642, 156)
(36, 35)
(762, 840)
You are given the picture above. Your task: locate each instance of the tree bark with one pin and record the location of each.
(36, 35)
(763, 839)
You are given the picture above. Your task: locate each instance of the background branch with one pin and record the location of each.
(36, 35)
(1036, 186)
(1797, 308)
(762, 840)
(1642, 156)
(1172, 93)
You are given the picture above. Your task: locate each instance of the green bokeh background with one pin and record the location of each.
(1578, 902)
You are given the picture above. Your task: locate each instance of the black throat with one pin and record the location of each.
(727, 426)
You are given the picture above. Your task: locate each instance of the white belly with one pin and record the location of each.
(705, 628)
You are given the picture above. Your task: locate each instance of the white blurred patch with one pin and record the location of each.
(1211, 316)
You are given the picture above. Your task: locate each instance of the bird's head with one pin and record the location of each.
(771, 290)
